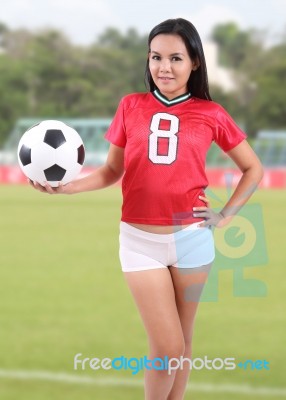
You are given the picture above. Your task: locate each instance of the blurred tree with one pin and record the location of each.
(227, 100)
(116, 66)
(15, 43)
(58, 79)
(3, 33)
(44, 75)
(268, 104)
(52, 70)
(13, 88)
(73, 81)
(259, 75)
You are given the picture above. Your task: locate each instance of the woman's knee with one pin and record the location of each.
(174, 348)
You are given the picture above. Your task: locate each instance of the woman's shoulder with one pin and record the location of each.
(134, 100)
(138, 95)
(210, 108)
(210, 105)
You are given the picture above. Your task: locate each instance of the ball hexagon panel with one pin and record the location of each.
(30, 138)
(66, 155)
(72, 136)
(43, 156)
(71, 173)
(34, 174)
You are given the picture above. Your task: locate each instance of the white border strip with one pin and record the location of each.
(134, 382)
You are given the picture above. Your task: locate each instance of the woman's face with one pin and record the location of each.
(170, 64)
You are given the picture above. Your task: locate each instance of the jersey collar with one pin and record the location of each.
(163, 99)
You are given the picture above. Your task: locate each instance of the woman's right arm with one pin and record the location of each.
(102, 177)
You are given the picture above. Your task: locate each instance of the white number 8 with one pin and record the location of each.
(170, 134)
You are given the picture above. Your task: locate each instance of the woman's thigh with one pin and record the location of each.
(154, 295)
(188, 284)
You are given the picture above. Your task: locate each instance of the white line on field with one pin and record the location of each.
(79, 379)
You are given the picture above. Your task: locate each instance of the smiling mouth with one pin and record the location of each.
(164, 78)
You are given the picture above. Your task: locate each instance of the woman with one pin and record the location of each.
(159, 141)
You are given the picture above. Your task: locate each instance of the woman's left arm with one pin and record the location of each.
(252, 173)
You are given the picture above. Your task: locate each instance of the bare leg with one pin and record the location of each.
(188, 285)
(153, 292)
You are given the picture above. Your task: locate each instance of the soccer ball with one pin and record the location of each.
(52, 152)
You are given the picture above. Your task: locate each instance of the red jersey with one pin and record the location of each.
(166, 143)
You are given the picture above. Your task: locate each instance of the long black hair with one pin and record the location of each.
(198, 81)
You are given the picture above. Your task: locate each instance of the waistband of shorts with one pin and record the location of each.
(157, 237)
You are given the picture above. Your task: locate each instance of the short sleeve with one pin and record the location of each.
(227, 134)
(116, 132)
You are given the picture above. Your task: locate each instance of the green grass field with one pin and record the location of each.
(62, 293)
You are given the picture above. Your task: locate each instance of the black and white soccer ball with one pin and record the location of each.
(52, 152)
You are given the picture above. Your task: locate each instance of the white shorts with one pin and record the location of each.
(190, 247)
